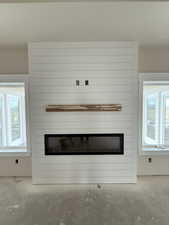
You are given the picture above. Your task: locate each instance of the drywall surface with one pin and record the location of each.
(14, 61)
(9, 167)
(151, 59)
(154, 59)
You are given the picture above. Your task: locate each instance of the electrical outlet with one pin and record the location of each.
(150, 160)
(77, 83)
(16, 161)
(86, 82)
(80, 83)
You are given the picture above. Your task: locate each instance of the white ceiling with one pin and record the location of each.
(145, 22)
(21, 1)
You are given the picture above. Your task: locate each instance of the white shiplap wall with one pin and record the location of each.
(111, 68)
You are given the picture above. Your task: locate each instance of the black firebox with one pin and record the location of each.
(84, 144)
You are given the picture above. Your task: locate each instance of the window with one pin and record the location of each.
(155, 115)
(12, 117)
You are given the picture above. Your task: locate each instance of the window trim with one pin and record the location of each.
(156, 77)
(9, 78)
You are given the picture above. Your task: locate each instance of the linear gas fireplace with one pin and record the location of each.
(84, 144)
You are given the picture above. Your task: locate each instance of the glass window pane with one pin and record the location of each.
(166, 120)
(151, 116)
(14, 105)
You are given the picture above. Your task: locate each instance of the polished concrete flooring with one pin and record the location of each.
(146, 203)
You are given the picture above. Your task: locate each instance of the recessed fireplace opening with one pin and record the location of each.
(84, 144)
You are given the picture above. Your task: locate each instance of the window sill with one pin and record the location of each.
(14, 152)
(154, 151)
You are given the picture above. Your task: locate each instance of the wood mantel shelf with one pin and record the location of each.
(84, 107)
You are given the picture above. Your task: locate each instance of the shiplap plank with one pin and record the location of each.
(84, 67)
(84, 45)
(101, 160)
(71, 83)
(84, 180)
(115, 74)
(80, 59)
(108, 97)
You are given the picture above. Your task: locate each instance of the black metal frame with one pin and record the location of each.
(87, 153)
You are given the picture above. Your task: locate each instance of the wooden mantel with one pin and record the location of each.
(84, 107)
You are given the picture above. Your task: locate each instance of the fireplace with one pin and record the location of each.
(84, 144)
(70, 144)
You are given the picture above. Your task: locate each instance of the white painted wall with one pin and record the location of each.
(14, 61)
(154, 59)
(151, 59)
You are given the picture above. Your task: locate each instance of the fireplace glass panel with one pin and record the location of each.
(57, 144)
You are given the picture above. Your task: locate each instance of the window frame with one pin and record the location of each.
(164, 108)
(17, 151)
(151, 77)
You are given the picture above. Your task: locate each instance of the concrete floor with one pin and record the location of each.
(146, 203)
